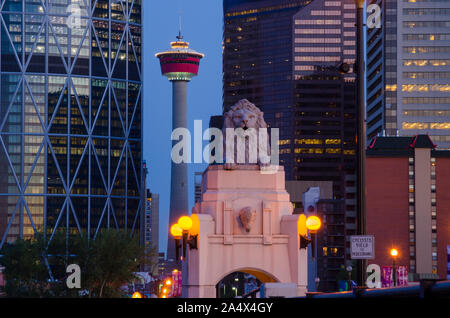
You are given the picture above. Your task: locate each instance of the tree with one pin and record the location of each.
(25, 272)
(106, 264)
(110, 262)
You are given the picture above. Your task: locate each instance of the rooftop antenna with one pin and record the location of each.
(179, 37)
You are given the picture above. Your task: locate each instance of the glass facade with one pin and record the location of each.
(323, 144)
(257, 58)
(408, 70)
(70, 116)
(286, 57)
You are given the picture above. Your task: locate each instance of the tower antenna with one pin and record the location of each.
(179, 37)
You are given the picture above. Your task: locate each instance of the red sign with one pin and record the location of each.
(176, 284)
(387, 279)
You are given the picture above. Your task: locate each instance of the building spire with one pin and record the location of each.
(179, 37)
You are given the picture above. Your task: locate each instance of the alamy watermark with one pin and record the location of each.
(74, 278)
(75, 11)
(374, 16)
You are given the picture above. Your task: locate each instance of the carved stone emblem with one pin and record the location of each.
(247, 217)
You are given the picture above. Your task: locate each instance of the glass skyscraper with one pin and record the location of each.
(70, 116)
(408, 70)
(294, 59)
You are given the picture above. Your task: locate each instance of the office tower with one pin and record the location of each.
(322, 144)
(408, 203)
(151, 226)
(295, 60)
(257, 57)
(71, 110)
(408, 71)
(179, 64)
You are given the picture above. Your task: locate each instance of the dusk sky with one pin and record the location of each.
(202, 25)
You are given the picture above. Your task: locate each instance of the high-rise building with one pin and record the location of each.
(151, 226)
(408, 70)
(70, 113)
(408, 203)
(295, 60)
(179, 64)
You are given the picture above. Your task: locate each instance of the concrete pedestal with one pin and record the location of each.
(269, 250)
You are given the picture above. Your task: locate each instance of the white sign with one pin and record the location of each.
(362, 247)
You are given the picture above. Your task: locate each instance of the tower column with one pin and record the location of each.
(178, 187)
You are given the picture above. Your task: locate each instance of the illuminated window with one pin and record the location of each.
(332, 141)
(318, 49)
(391, 88)
(318, 22)
(317, 40)
(308, 150)
(439, 125)
(406, 125)
(426, 49)
(308, 141)
(284, 151)
(317, 58)
(426, 87)
(317, 31)
(325, 12)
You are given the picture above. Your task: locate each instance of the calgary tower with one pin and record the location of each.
(179, 64)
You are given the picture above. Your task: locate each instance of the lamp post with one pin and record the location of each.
(361, 131)
(187, 228)
(313, 224)
(349, 272)
(177, 232)
(185, 223)
(394, 254)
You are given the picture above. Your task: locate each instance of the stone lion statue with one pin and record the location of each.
(247, 217)
(250, 119)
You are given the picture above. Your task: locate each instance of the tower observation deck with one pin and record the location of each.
(179, 63)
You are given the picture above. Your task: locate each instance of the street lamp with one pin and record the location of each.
(361, 130)
(317, 281)
(394, 254)
(136, 295)
(313, 224)
(185, 223)
(187, 228)
(177, 232)
(349, 271)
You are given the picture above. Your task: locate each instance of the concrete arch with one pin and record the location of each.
(261, 275)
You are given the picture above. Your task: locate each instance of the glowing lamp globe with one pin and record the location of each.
(185, 223)
(176, 231)
(394, 252)
(136, 295)
(195, 229)
(301, 225)
(313, 223)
